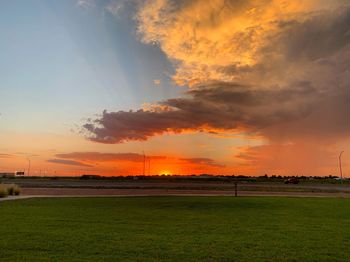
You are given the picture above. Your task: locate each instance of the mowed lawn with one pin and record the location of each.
(175, 229)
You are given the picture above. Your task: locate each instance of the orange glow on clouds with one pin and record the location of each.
(206, 38)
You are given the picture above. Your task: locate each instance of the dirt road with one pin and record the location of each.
(157, 192)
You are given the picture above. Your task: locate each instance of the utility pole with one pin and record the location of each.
(28, 166)
(144, 163)
(149, 166)
(340, 167)
(236, 185)
(236, 188)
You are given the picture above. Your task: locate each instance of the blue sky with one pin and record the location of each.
(61, 63)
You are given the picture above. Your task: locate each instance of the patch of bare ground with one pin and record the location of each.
(157, 192)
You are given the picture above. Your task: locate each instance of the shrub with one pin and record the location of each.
(13, 190)
(16, 190)
(3, 191)
(10, 190)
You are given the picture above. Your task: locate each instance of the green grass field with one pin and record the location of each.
(175, 229)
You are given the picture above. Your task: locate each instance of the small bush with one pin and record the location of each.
(16, 190)
(13, 190)
(10, 190)
(3, 191)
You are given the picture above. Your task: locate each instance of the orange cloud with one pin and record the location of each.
(203, 38)
(106, 157)
(6, 156)
(68, 162)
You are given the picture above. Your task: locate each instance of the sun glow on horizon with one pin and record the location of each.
(165, 173)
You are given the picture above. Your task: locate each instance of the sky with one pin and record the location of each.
(223, 87)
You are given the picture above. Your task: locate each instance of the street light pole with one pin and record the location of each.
(340, 167)
(144, 163)
(149, 166)
(28, 166)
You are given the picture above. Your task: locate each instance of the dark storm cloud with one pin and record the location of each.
(215, 106)
(320, 36)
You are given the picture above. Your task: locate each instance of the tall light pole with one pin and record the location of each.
(28, 166)
(149, 166)
(144, 163)
(340, 167)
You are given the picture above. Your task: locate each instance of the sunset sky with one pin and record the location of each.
(244, 87)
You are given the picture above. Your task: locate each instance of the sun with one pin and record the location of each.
(165, 173)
